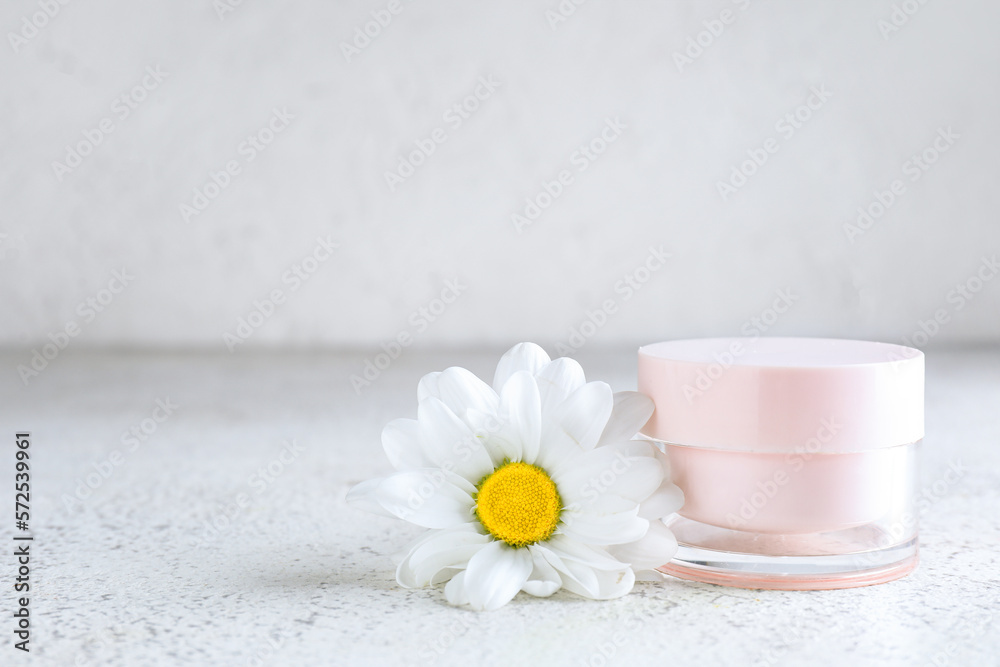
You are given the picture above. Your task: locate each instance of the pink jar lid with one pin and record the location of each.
(783, 394)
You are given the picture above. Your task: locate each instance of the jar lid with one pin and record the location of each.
(783, 394)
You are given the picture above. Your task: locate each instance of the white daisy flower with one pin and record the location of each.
(533, 485)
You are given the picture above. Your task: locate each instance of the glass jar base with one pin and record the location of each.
(860, 556)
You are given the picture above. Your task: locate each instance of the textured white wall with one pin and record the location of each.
(885, 94)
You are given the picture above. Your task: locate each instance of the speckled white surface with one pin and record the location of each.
(120, 581)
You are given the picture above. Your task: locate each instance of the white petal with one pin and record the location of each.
(628, 469)
(654, 549)
(521, 411)
(661, 455)
(574, 575)
(363, 497)
(557, 380)
(450, 443)
(428, 386)
(461, 391)
(544, 579)
(495, 435)
(522, 357)
(606, 586)
(441, 550)
(455, 592)
(585, 413)
(575, 425)
(446, 573)
(582, 577)
(428, 497)
(666, 500)
(606, 520)
(570, 550)
(495, 575)
(402, 444)
(542, 588)
(632, 411)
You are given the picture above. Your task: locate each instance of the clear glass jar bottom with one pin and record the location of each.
(794, 521)
(858, 556)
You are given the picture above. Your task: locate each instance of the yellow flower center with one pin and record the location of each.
(518, 503)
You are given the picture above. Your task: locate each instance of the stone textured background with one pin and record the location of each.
(656, 185)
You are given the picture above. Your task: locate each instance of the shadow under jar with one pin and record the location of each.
(797, 458)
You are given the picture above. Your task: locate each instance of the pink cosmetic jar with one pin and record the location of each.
(797, 458)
